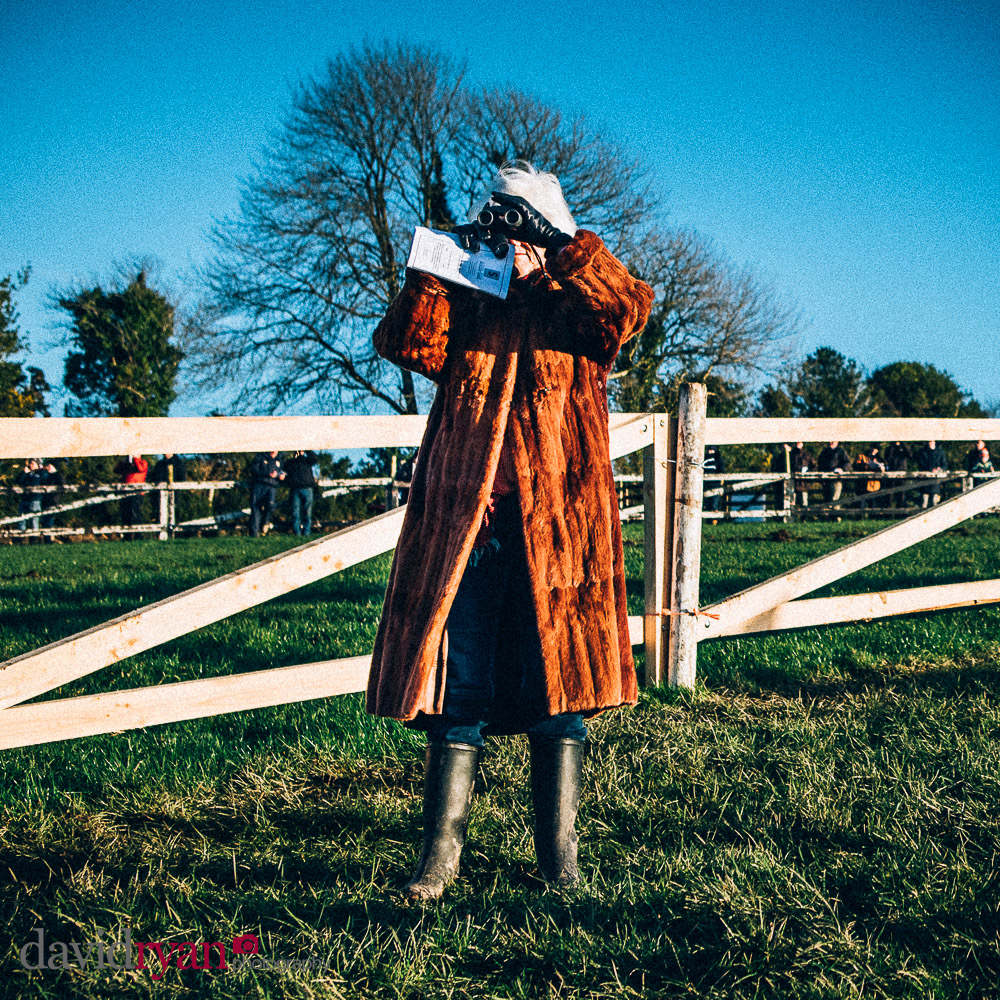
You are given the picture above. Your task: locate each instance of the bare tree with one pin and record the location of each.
(709, 321)
(303, 273)
(386, 139)
(391, 137)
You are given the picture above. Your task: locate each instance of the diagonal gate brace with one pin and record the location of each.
(31, 674)
(762, 597)
(65, 660)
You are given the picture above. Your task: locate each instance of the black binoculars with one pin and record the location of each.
(494, 218)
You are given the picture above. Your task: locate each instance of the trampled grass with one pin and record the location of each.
(817, 819)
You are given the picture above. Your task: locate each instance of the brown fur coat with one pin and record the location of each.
(534, 367)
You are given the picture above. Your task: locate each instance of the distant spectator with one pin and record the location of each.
(301, 482)
(984, 464)
(869, 461)
(31, 476)
(53, 477)
(266, 471)
(897, 458)
(132, 469)
(169, 469)
(800, 459)
(833, 458)
(713, 462)
(973, 455)
(897, 455)
(931, 458)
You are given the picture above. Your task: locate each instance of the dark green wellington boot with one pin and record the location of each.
(556, 779)
(449, 779)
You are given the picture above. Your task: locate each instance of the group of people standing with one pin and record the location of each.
(38, 478)
(266, 472)
(134, 469)
(833, 458)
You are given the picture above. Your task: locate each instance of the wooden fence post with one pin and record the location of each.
(788, 489)
(657, 491)
(392, 498)
(682, 648)
(164, 514)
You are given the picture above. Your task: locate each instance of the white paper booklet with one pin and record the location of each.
(441, 254)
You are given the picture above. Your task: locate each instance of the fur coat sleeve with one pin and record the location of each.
(415, 330)
(603, 305)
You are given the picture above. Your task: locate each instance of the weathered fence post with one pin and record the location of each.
(164, 514)
(787, 500)
(392, 498)
(682, 648)
(657, 492)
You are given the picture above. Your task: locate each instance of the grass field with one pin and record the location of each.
(817, 819)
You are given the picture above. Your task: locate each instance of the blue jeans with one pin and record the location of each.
(261, 504)
(49, 520)
(302, 510)
(30, 505)
(495, 594)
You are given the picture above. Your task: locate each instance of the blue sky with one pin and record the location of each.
(848, 152)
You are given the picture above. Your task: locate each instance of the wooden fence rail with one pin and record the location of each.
(671, 627)
(168, 523)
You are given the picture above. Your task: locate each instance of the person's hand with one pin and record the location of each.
(534, 228)
(273, 474)
(526, 259)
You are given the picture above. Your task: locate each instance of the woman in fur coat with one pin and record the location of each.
(505, 609)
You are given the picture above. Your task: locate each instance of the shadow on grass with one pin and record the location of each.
(649, 938)
(945, 681)
(117, 601)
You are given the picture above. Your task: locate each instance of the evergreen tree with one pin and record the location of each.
(827, 384)
(122, 361)
(22, 390)
(773, 401)
(912, 389)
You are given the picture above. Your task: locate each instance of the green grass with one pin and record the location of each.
(817, 819)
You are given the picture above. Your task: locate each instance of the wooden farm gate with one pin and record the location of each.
(670, 628)
(677, 472)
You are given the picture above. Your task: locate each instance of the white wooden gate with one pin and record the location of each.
(58, 663)
(671, 626)
(673, 558)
